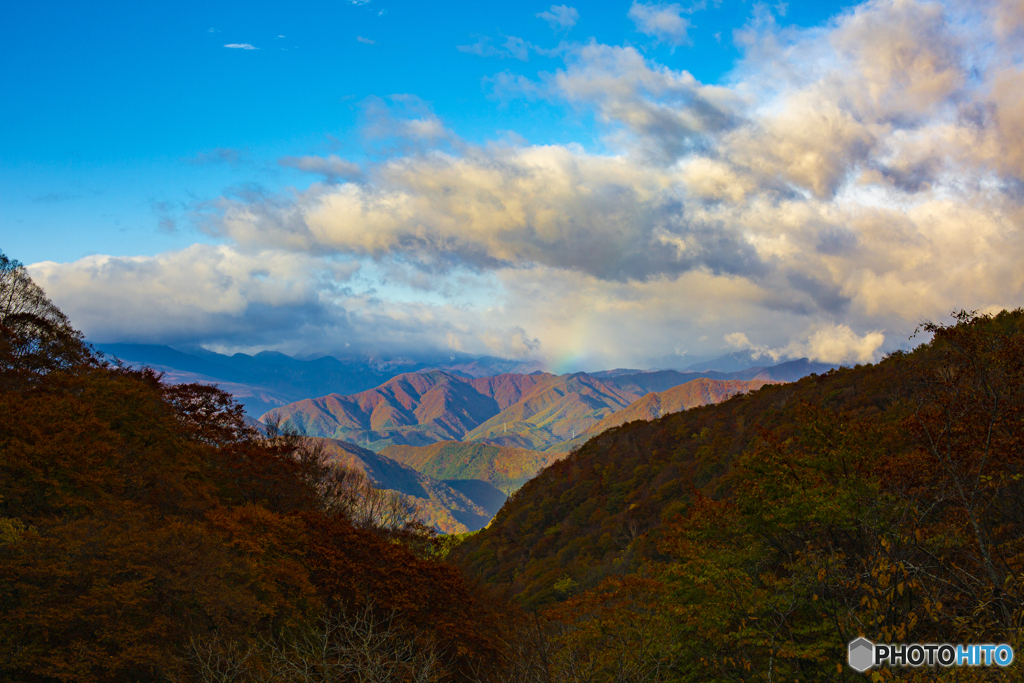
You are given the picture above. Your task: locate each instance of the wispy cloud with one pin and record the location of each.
(241, 46)
(560, 17)
(218, 155)
(402, 123)
(484, 47)
(332, 167)
(663, 22)
(53, 198)
(367, 41)
(514, 47)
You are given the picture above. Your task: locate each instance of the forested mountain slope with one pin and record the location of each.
(695, 393)
(601, 510)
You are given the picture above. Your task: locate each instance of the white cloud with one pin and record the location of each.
(560, 17)
(661, 112)
(737, 340)
(366, 41)
(241, 46)
(838, 344)
(843, 199)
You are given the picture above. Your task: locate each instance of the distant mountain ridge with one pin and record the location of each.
(536, 412)
(269, 379)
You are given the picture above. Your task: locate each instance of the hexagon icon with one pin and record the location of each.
(862, 654)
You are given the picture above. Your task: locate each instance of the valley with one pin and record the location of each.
(457, 437)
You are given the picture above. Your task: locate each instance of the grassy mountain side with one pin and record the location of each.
(508, 389)
(505, 468)
(417, 409)
(554, 413)
(598, 511)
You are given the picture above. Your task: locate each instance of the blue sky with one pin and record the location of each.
(724, 169)
(117, 115)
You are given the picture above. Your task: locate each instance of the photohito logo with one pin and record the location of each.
(863, 654)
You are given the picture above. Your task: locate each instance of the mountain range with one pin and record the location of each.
(481, 439)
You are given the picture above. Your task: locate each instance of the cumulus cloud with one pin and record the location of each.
(838, 192)
(838, 343)
(661, 113)
(739, 340)
(824, 342)
(844, 183)
(560, 17)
